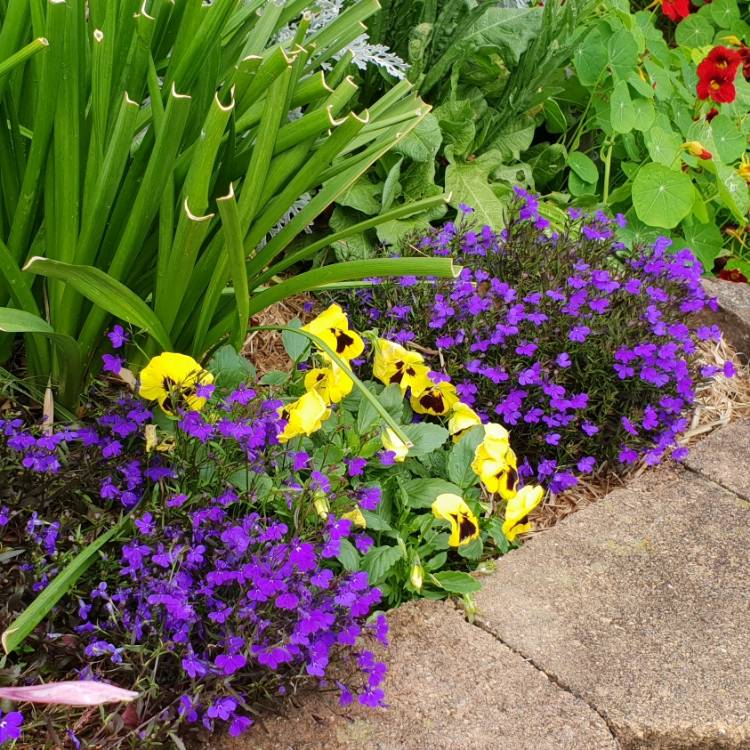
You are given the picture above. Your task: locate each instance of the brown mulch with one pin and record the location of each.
(265, 349)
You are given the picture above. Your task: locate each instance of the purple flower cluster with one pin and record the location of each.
(587, 354)
(228, 589)
(233, 597)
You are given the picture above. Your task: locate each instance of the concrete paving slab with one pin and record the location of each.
(450, 686)
(724, 457)
(640, 605)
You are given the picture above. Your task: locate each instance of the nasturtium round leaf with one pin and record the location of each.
(662, 197)
(730, 143)
(733, 190)
(554, 117)
(705, 240)
(663, 145)
(694, 31)
(583, 166)
(621, 110)
(590, 58)
(724, 13)
(623, 53)
(645, 114)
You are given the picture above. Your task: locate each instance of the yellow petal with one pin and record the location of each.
(356, 517)
(463, 418)
(392, 442)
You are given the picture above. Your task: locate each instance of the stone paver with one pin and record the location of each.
(724, 456)
(450, 686)
(734, 311)
(640, 605)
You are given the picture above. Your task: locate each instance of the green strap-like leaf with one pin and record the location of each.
(105, 292)
(19, 629)
(20, 321)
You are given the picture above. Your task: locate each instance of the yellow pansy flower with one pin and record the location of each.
(395, 364)
(438, 399)
(356, 517)
(463, 418)
(518, 509)
(495, 462)
(332, 326)
(464, 524)
(331, 382)
(304, 416)
(392, 442)
(172, 380)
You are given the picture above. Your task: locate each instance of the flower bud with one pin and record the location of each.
(320, 502)
(417, 576)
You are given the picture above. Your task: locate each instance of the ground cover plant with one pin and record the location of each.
(158, 157)
(251, 540)
(585, 352)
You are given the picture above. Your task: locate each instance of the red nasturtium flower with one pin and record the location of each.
(733, 275)
(716, 75)
(675, 10)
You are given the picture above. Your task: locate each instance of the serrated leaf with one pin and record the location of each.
(348, 556)
(379, 560)
(469, 183)
(423, 143)
(425, 437)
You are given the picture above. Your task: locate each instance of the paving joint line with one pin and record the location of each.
(477, 622)
(730, 490)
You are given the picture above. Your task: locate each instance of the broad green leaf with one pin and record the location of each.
(733, 190)
(421, 493)
(662, 197)
(379, 560)
(590, 57)
(423, 143)
(705, 240)
(390, 398)
(725, 14)
(456, 121)
(105, 292)
(19, 629)
(583, 166)
(391, 186)
(362, 196)
(456, 582)
(694, 31)
(229, 368)
(468, 182)
(295, 345)
(554, 117)
(375, 522)
(663, 145)
(514, 138)
(348, 556)
(426, 437)
(621, 110)
(461, 456)
(623, 53)
(645, 114)
(730, 143)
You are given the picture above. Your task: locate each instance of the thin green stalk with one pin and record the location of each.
(22, 55)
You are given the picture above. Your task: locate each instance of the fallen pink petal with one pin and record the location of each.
(70, 693)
